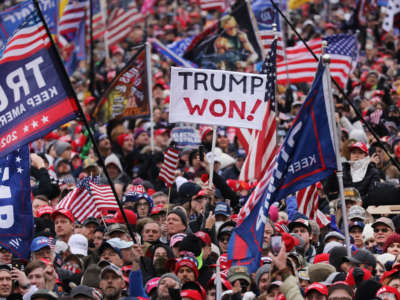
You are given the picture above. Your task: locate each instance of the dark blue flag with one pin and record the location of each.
(16, 219)
(307, 155)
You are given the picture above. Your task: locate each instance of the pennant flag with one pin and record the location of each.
(301, 65)
(307, 155)
(89, 199)
(162, 49)
(13, 17)
(266, 15)
(263, 150)
(16, 223)
(168, 168)
(127, 94)
(35, 97)
(392, 18)
(229, 44)
(74, 14)
(123, 16)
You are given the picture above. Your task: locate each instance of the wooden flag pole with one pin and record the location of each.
(85, 121)
(214, 141)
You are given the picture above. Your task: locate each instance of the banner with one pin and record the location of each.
(307, 155)
(168, 53)
(11, 18)
(294, 4)
(217, 97)
(35, 94)
(16, 222)
(127, 94)
(229, 44)
(186, 137)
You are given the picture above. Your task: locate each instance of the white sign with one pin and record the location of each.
(217, 97)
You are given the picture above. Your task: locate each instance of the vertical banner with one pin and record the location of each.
(16, 222)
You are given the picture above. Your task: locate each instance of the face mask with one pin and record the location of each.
(160, 265)
(218, 225)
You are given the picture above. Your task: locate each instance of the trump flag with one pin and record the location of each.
(16, 222)
(35, 95)
(307, 155)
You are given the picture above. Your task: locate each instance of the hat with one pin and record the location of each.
(356, 224)
(332, 278)
(91, 220)
(385, 221)
(60, 147)
(151, 285)
(158, 209)
(191, 294)
(120, 244)
(43, 293)
(172, 276)
(300, 222)
(43, 210)
(122, 138)
(261, 271)
(356, 212)
(363, 256)
(78, 244)
(91, 276)
(334, 234)
(200, 194)
(111, 268)
(204, 131)
(63, 212)
(351, 193)
(113, 159)
(330, 246)
(189, 262)
(226, 227)
(303, 274)
(359, 145)
(88, 100)
(393, 238)
(222, 208)
(240, 153)
(5, 267)
(118, 218)
(238, 272)
(321, 258)
(117, 228)
(180, 214)
(39, 243)
(204, 237)
(390, 290)
(137, 132)
(319, 272)
(82, 290)
(188, 189)
(106, 245)
(385, 258)
(101, 137)
(350, 275)
(160, 131)
(343, 285)
(176, 238)
(319, 287)
(192, 244)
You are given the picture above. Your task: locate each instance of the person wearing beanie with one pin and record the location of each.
(392, 244)
(262, 278)
(115, 170)
(186, 269)
(167, 280)
(63, 149)
(125, 141)
(176, 222)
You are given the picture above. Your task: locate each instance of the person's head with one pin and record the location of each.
(111, 282)
(263, 277)
(316, 291)
(229, 25)
(176, 221)
(113, 166)
(161, 137)
(205, 243)
(63, 223)
(268, 232)
(388, 293)
(199, 202)
(98, 238)
(239, 274)
(186, 269)
(159, 198)
(63, 150)
(223, 236)
(356, 230)
(83, 292)
(340, 290)
(125, 141)
(141, 137)
(143, 206)
(104, 144)
(5, 255)
(38, 201)
(240, 157)
(392, 244)
(151, 232)
(168, 280)
(111, 254)
(383, 227)
(358, 150)
(5, 281)
(273, 290)
(35, 273)
(302, 228)
(40, 248)
(89, 227)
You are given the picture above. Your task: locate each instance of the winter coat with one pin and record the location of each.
(290, 289)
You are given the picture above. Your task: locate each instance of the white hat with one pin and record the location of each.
(368, 232)
(78, 244)
(385, 257)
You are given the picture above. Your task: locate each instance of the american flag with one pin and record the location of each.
(121, 21)
(302, 66)
(307, 204)
(73, 14)
(98, 22)
(88, 199)
(392, 18)
(245, 137)
(30, 38)
(168, 168)
(263, 150)
(220, 5)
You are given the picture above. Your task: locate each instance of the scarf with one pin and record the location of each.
(358, 169)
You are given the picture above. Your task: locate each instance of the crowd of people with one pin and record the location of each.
(181, 234)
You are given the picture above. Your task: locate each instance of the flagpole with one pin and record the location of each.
(150, 93)
(274, 29)
(214, 141)
(359, 115)
(218, 283)
(92, 85)
(326, 61)
(85, 121)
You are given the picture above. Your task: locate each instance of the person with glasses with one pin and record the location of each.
(383, 227)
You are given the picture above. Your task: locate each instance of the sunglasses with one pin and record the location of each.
(384, 230)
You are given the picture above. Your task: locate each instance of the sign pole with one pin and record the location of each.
(214, 141)
(150, 93)
(339, 173)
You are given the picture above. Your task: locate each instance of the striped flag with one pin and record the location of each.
(74, 13)
(168, 168)
(98, 22)
(220, 5)
(263, 150)
(88, 199)
(245, 137)
(302, 66)
(121, 20)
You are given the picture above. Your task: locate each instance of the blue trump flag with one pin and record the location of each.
(307, 155)
(16, 221)
(79, 52)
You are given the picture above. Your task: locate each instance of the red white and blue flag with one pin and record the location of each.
(35, 95)
(74, 13)
(307, 155)
(168, 168)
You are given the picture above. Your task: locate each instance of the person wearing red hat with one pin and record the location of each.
(63, 224)
(316, 291)
(190, 295)
(186, 269)
(388, 293)
(161, 138)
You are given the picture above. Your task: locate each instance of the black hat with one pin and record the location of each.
(188, 189)
(91, 220)
(82, 290)
(179, 212)
(192, 244)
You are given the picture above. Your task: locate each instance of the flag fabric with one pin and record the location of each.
(74, 14)
(245, 137)
(126, 96)
(307, 155)
(363, 9)
(294, 4)
(302, 66)
(266, 15)
(164, 50)
(307, 201)
(121, 20)
(179, 47)
(147, 6)
(16, 223)
(220, 5)
(89, 199)
(44, 100)
(263, 149)
(78, 52)
(98, 22)
(168, 168)
(392, 18)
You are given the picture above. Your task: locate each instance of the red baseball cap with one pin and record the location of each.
(359, 145)
(118, 218)
(321, 258)
(191, 294)
(350, 276)
(319, 287)
(160, 131)
(201, 193)
(390, 290)
(157, 209)
(204, 237)
(63, 212)
(88, 100)
(44, 209)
